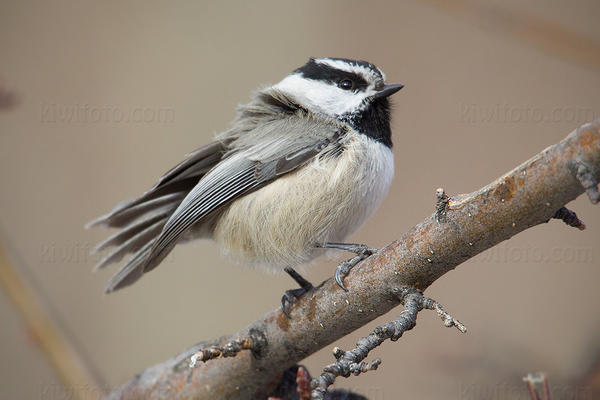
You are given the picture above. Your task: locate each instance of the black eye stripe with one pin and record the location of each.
(326, 73)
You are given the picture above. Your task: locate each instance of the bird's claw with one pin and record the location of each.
(289, 298)
(344, 268)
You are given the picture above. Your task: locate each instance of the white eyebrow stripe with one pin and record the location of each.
(353, 68)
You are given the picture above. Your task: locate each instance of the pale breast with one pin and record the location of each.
(325, 201)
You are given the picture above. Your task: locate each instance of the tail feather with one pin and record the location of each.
(123, 235)
(134, 269)
(132, 244)
(131, 272)
(123, 217)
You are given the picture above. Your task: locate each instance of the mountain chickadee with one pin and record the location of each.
(302, 166)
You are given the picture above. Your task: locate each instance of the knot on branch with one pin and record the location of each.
(441, 205)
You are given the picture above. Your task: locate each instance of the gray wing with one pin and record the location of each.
(253, 160)
(141, 220)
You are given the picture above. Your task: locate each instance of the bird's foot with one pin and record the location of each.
(362, 252)
(290, 296)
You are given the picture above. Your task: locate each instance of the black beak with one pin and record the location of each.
(388, 90)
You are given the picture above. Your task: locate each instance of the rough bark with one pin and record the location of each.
(461, 227)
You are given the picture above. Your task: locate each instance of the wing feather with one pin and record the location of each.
(179, 179)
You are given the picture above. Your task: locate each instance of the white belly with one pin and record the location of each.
(325, 201)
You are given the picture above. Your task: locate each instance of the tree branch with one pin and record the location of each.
(461, 227)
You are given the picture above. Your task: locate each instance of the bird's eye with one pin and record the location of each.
(346, 84)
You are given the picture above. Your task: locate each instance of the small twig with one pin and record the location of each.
(532, 392)
(449, 321)
(570, 218)
(538, 378)
(585, 176)
(255, 342)
(352, 362)
(229, 350)
(441, 205)
(546, 387)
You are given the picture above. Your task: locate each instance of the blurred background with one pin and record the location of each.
(98, 99)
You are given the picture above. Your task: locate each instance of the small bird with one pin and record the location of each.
(302, 166)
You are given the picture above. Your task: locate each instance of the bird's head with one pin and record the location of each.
(337, 87)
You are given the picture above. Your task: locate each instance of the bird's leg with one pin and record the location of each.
(290, 296)
(362, 252)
